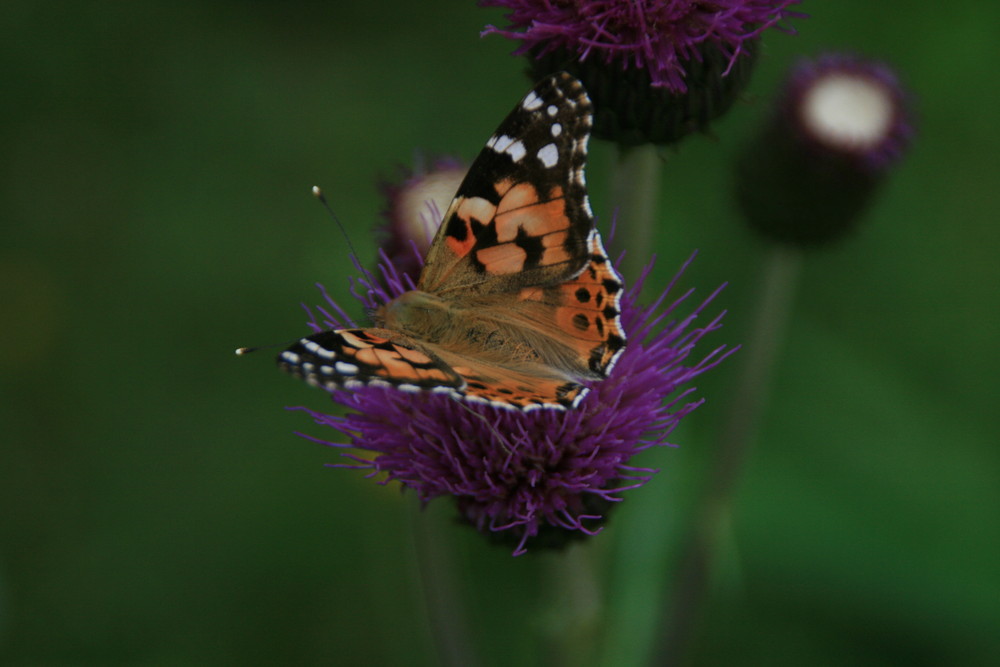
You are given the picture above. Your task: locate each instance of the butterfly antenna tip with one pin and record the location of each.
(350, 246)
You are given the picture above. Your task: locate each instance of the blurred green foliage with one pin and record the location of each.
(157, 509)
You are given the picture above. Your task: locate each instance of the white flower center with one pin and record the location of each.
(848, 111)
(420, 216)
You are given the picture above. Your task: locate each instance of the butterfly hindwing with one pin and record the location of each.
(583, 314)
(507, 387)
(521, 216)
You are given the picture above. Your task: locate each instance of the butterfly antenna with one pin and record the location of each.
(350, 246)
(240, 351)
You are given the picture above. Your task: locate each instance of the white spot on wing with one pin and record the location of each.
(345, 368)
(317, 349)
(556, 129)
(501, 143)
(516, 151)
(531, 102)
(549, 155)
(552, 110)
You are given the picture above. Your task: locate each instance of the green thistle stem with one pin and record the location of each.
(645, 531)
(575, 607)
(635, 188)
(446, 612)
(694, 568)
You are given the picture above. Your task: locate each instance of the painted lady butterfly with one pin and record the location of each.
(517, 304)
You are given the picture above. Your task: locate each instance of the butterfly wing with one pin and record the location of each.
(517, 255)
(521, 217)
(581, 315)
(521, 388)
(351, 358)
(518, 243)
(575, 333)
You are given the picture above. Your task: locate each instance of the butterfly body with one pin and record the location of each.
(517, 303)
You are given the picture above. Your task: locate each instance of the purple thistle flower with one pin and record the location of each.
(657, 70)
(661, 36)
(415, 201)
(546, 475)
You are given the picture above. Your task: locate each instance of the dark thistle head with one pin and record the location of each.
(840, 124)
(656, 70)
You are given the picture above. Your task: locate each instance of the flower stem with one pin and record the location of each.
(576, 606)
(711, 518)
(635, 187)
(445, 607)
(645, 534)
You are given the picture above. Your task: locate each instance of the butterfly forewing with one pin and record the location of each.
(521, 216)
(350, 358)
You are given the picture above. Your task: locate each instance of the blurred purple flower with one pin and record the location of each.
(415, 200)
(839, 125)
(846, 105)
(545, 476)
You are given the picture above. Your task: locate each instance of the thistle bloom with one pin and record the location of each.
(415, 201)
(545, 476)
(843, 104)
(840, 123)
(656, 69)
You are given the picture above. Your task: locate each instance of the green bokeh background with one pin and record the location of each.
(156, 162)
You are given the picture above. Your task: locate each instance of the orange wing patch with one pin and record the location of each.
(529, 230)
(502, 259)
(511, 388)
(524, 215)
(588, 314)
(463, 215)
(524, 208)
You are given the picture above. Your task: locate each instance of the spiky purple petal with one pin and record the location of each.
(660, 36)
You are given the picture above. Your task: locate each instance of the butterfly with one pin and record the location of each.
(517, 304)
